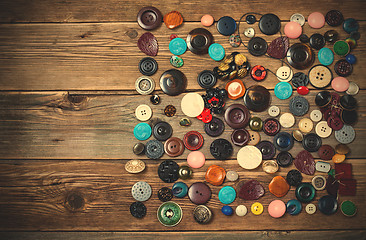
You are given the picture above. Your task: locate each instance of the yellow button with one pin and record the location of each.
(306, 125)
(257, 208)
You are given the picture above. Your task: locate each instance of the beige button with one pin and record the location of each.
(284, 74)
(320, 76)
(306, 125)
(287, 120)
(270, 166)
(352, 89)
(241, 210)
(297, 134)
(310, 208)
(316, 115)
(323, 130)
(192, 104)
(249, 157)
(135, 166)
(274, 111)
(254, 138)
(249, 32)
(143, 112)
(319, 182)
(145, 85)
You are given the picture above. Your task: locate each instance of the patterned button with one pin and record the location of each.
(334, 18)
(304, 161)
(193, 140)
(345, 135)
(202, 214)
(255, 124)
(271, 126)
(317, 41)
(138, 209)
(287, 120)
(177, 46)
(154, 149)
(141, 191)
(169, 214)
(305, 125)
(144, 85)
(221, 149)
(168, 171)
(343, 68)
(294, 177)
(300, 79)
(135, 166)
(299, 106)
(165, 194)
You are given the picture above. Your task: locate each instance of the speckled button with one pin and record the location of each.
(154, 149)
(316, 115)
(240, 137)
(141, 191)
(149, 18)
(192, 104)
(283, 141)
(193, 140)
(300, 79)
(237, 116)
(311, 142)
(298, 17)
(310, 209)
(325, 56)
(323, 130)
(135, 166)
(249, 157)
(294, 177)
(143, 112)
(216, 51)
(227, 195)
(173, 82)
(269, 24)
(226, 25)
(284, 159)
(319, 182)
(215, 127)
(283, 90)
(168, 171)
(328, 205)
(177, 46)
(345, 135)
(145, 85)
(162, 131)
(299, 106)
(287, 120)
(174, 147)
(320, 76)
(142, 131)
(169, 214)
(199, 193)
(199, 40)
(271, 126)
(221, 149)
(267, 149)
(138, 209)
(274, 111)
(249, 190)
(305, 125)
(254, 138)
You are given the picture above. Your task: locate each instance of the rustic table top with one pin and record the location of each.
(67, 103)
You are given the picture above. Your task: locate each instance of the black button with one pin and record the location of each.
(271, 126)
(284, 159)
(226, 25)
(221, 149)
(283, 141)
(214, 128)
(294, 177)
(300, 56)
(300, 79)
(237, 116)
(199, 40)
(323, 98)
(168, 171)
(331, 36)
(173, 82)
(155, 99)
(317, 41)
(311, 142)
(138, 209)
(328, 205)
(269, 24)
(257, 98)
(267, 149)
(349, 117)
(343, 68)
(304, 38)
(206, 79)
(165, 194)
(348, 102)
(162, 131)
(149, 18)
(334, 18)
(148, 66)
(257, 46)
(154, 149)
(250, 19)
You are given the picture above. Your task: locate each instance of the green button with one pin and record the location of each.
(348, 208)
(176, 61)
(255, 123)
(305, 192)
(341, 48)
(169, 214)
(332, 172)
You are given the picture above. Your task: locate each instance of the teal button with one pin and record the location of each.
(227, 195)
(216, 51)
(293, 207)
(180, 189)
(142, 131)
(177, 46)
(325, 56)
(283, 90)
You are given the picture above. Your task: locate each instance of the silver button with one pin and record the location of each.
(299, 18)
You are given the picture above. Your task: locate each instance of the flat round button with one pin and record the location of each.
(192, 104)
(320, 76)
(300, 56)
(341, 48)
(232, 176)
(299, 18)
(199, 193)
(207, 20)
(168, 171)
(165, 194)
(169, 214)
(170, 111)
(328, 205)
(141, 191)
(240, 137)
(215, 127)
(196, 159)
(143, 112)
(206, 79)
(173, 82)
(255, 123)
(311, 142)
(215, 175)
(326, 152)
(270, 166)
(287, 120)
(325, 56)
(343, 68)
(316, 20)
(316, 115)
(241, 210)
(278, 186)
(180, 189)
(345, 135)
(271, 126)
(283, 90)
(154, 149)
(305, 192)
(283, 141)
(216, 51)
(257, 46)
(284, 74)
(174, 147)
(237, 116)
(249, 32)
(177, 46)
(269, 24)
(226, 25)
(235, 89)
(149, 18)
(334, 18)
(162, 131)
(331, 36)
(294, 177)
(306, 125)
(257, 208)
(221, 149)
(317, 41)
(250, 19)
(144, 85)
(257, 98)
(250, 190)
(299, 106)
(235, 40)
(193, 140)
(142, 131)
(277, 208)
(227, 195)
(323, 130)
(350, 25)
(249, 157)
(293, 207)
(138, 209)
(202, 214)
(148, 66)
(319, 182)
(310, 209)
(348, 208)
(300, 79)
(199, 40)
(254, 138)
(135, 166)
(353, 88)
(267, 149)
(274, 111)
(284, 159)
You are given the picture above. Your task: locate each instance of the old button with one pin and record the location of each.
(334, 18)
(323, 98)
(331, 36)
(235, 89)
(338, 158)
(154, 149)
(317, 41)
(348, 208)
(257, 98)
(250, 190)
(169, 214)
(145, 85)
(348, 102)
(215, 127)
(215, 175)
(135, 166)
(355, 35)
(325, 56)
(257, 208)
(199, 40)
(173, 82)
(294, 177)
(185, 122)
(141, 191)
(267, 149)
(350, 25)
(226, 25)
(149, 18)
(257, 46)
(176, 61)
(241, 210)
(227, 210)
(300, 79)
(173, 19)
(148, 44)
(202, 214)
(319, 182)
(180, 189)
(293, 207)
(148, 66)
(316, 20)
(196, 159)
(316, 115)
(174, 147)
(299, 106)
(283, 90)
(249, 32)
(322, 166)
(278, 186)
(221, 149)
(170, 111)
(142, 131)
(283, 141)
(274, 111)
(297, 135)
(165, 194)
(192, 104)
(177, 46)
(185, 172)
(343, 68)
(311, 142)
(287, 120)
(237, 116)
(227, 195)
(342, 149)
(353, 88)
(326, 152)
(341, 48)
(216, 51)
(255, 123)
(323, 130)
(304, 38)
(345, 135)
(306, 125)
(249, 157)
(168, 171)
(250, 19)
(199, 193)
(269, 24)
(305, 192)
(328, 205)
(240, 137)
(206, 79)
(254, 138)
(138, 209)
(270, 166)
(235, 40)
(193, 140)
(155, 99)
(139, 148)
(271, 126)
(300, 56)
(284, 159)
(298, 18)
(302, 90)
(207, 20)
(232, 176)
(310, 208)
(162, 131)
(320, 76)
(304, 161)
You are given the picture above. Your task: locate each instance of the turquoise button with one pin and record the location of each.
(325, 56)
(142, 131)
(283, 90)
(177, 46)
(180, 189)
(227, 195)
(293, 207)
(216, 51)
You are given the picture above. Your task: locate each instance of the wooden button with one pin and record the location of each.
(254, 138)
(215, 175)
(278, 186)
(173, 19)
(305, 125)
(338, 158)
(174, 147)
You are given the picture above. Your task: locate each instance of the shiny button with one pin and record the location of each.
(199, 40)
(331, 36)
(250, 19)
(342, 149)
(257, 46)
(283, 141)
(240, 137)
(180, 189)
(215, 175)
(249, 32)
(277, 208)
(270, 166)
(249, 157)
(305, 125)
(353, 88)
(227, 210)
(192, 104)
(162, 131)
(232, 176)
(173, 82)
(199, 193)
(305, 192)
(215, 127)
(300, 56)
(298, 17)
(293, 207)
(235, 89)
(278, 186)
(193, 140)
(257, 208)
(297, 135)
(267, 149)
(237, 116)
(143, 112)
(226, 25)
(287, 120)
(196, 159)
(169, 214)
(185, 172)
(227, 195)
(283, 90)
(145, 85)
(284, 159)
(135, 166)
(206, 79)
(173, 19)
(149, 18)
(255, 123)
(316, 20)
(174, 147)
(142, 131)
(350, 25)
(328, 205)
(202, 214)
(257, 98)
(274, 111)
(338, 158)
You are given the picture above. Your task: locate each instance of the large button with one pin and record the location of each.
(306, 125)
(168, 171)
(323, 130)
(254, 138)
(343, 68)
(196, 159)
(349, 117)
(316, 115)
(284, 159)
(250, 190)
(326, 152)
(293, 207)
(269, 24)
(162, 131)
(138, 209)
(345, 135)
(221, 149)
(202, 214)
(199, 40)
(215, 127)
(142, 131)
(278, 186)
(235, 89)
(199, 193)
(317, 41)
(287, 120)
(257, 46)
(257, 98)
(249, 157)
(180, 189)
(227, 195)
(216, 51)
(283, 90)
(334, 18)
(148, 66)
(165, 194)
(154, 149)
(304, 161)
(169, 214)
(319, 182)
(283, 141)
(143, 112)
(192, 104)
(271, 126)
(226, 25)
(323, 98)
(177, 46)
(350, 25)
(328, 205)
(298, 17)
(173, 19)
(173, 82)
(320, 76)
(316, 20)
(348, 102)
(174, 147)
(348, 208)
(300, 56)
(193, 140)
(237, 116)
(294, 177)
(311, 142)
(325, 56)
(149, 18)
(141, 191)
(267, 149)
(145, 85)
(305, 192)
(299, 106)
(215, 175)
(240, 137)
(255, 123)
(206, 79)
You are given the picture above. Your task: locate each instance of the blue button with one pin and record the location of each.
(227, 210)
(226, 25)
(350, 25)
(283, 141)
(177, 46)
(180, 189)
(227, 195)
(283, 90)
(293, 207)
(351, 58)
(325, 56)
(216, 52)
(142, 131)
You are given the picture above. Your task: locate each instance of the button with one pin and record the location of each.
(323, 98)
(149, 18)
(338, 158)
(226, 25)
(334, 18)
(347, 187)
(304, 38)
(348, 208)
(326, 152)
(154, 149)
(241, 210)
(278, 47)
(287, 120)
(328, 205)
(249, 157)
(348, 102)
(331, 36)
(250, 19)
(257, 98)
(311, 142)
(345, 135)
(142, 131)
(138, 148)
(180, 189)
(173, 82)
(270, 166)
(185, 172)
(145, 85)
(185, 122)
(232, 176)
(293, 207)
(141, 191)
(255, 123)
(305, 125)
(250, 190)
(206, 79)
(235, 40)
(202, 214)
(316, 115)
(138, 209)
(310, 208)
(283, 141)
(135, 166)
(199, 40)
(143, 112)
(155, 99)
(300, 79)
(325, 56)
(199, 193)
(355, 35)
(317, 41)
(193, 140)
(168, 171)
(351, 58)
(316, 20)
(319, 182)
(274, 111)
(196, 159)
(174, 147)
(165, 194)
(216, 51)
(300, 56)
(299, 18)
(284, 159)
(341, 48)
(257, 208)
(148, 66)
(240, 137)
(227, 210)
(342, 149)
(249, 32)
(322, 166)
(271, 126)
(283, 90)
(215, 175)
(302, 90)
(207, 20)
(235, 89)
(305, 192)
(350, 25)
(169, 214)
(292, 30)
(277, 208)
(297, 135)
(192, 104)
(323, 130)
(257, 46)
(299, 106)
(269, 24)
(215, 127)
(148, 44)
(237, 116)
(221, 149)
(170, 111)
(227, 195)
(176, 61)
(294, 177)
(162, 131)
(278, 186)
(267, 149)
(351, 42)
(340, 84)
(304, 161)
(173, 19)
(352, 89)
(343, 68)
(254, 138)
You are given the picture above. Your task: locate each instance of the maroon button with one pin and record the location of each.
(326, 114)
(174, 147)
(148, 44)
(240, 137)
(326, 152)
(343, 68)
(302, 90)
(271, 126)
(335, 98)
(304, 161)
(250, 190)
(237, 116)
(335, 123)
(199, 193)
(149, 18)
(193, 140)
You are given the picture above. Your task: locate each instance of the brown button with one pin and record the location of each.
(235, 89)
(149, 18)
(199, 40)
(342, 149)
(240, 137)
(215, 175)
(278, 186)
(257, 98)
(300, 56)
(237, 116)
(304, 161)
(173, 19)
(199, 193)
(173, 82)
(254, 138)
(148, 44)
(173, 147)
(326, 152)
(250, 190)
(193, 140)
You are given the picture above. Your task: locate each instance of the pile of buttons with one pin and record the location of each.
(337, 113)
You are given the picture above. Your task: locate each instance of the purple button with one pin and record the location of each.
(199, 193)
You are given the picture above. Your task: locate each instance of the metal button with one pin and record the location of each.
(299, 18)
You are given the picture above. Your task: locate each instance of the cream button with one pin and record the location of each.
(299, 18)
(323, 130)
(241, 210)
(249, 32)
(352, 88)
(232, 176)
(306, 125)
(249, 157)
(274, 111)
(143, 112)
(287, 120)
(322, 167)
(284, 74)
(319, 182)
(135, 166)
(145, 85)
(192, 104)
(316, 115)
(310, 208)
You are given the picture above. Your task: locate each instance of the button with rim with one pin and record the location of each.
(306, 125)
(135, 166)
(241, 210)
(149, 18)
(257, 98)
(249, 32)
(177, 46)
(185, 172)
(320, 76)
(202, 214)
(323, 98)
(249, 157)
(269, 24)
(299, 18)
(305, 192)
(143, 112)
(199, 40)
(310, 208)
(154, 149)
(343, 68)
(319, 182)
(326, 152)
(169, 214)
(300, 56)
(325, 56)
(148, 66)
(168, 171)
(221, 149)
(283, 90)
(257, 208)
(255, 123)
(257, 46)
(283, 141)
(215, 127)
(237, 116)
(162, 131)
(274, 111)
(345, 135)
(284, 159)
(334, 18)
(174, 147)
(226, 25)
(317, 41)
(287, 120)
(180, 189)
(193, 140)
(311, 142)
(328, 205)
(142, 131)
(235, 89)
(341, 48)
(254, 137)
(138, 209)
(316, 115)
(299, 106)
(297, 135)
(199, 193)
(250, 19)
(192, 104)
(206, 79)
(227, 195)
(323, 130)
(267, 149)
(144, 85)
(284, 74)
(240, 137)
(141, 191)
(165, 194)
(348, 208)
(173, 82)
(271, 126)
(293, 207)
(270, 166)
(232, 176)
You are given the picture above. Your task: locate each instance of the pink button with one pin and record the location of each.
(207, 20)
(316, 20)
(293, 30)
(196, 159)
(340, 84)
(277, 208)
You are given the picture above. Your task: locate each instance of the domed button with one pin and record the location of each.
(278, 186)
(342, 149)
(165, 194)
(155, 99)
(302, 90)
(306, 125)
(215, 127)
(199, 40)
(305, 192)
(331, 36)
(148, 66)
(173, 82)
(255, 123)
(142, 131)
(174, 147)
(254, 138)
(353, 88)
(227, 210)
(215, 175)
(300, 56)
(162, 131)
(316, 20)
(334, 18)
(199, 193)
(169, 214)
(283, 141)
(241, 210)
(237, 116)
(193, 140)
(323, 98)
(343, 68)
(267, 149)
(250, 19)
(270, 166)
(173, 19)
(304, 161)
(311, 142)
(207, 20)
(350, 25)
(250, 190)
(328, 205)
(232, 176)
(168, 171)
(180, 189)
(349, 117)
(202, 214)
(257, 208)
(284, 159)
(326, 152)
(283, 90)
(257, 98)
(257, 46)
(271, 126)
(317, 41)
(235, 89)
(249, 157)
(206, 79)
(226, 25)
(185, 172)
(240, 137)
(138, 148)
(196, 159)
(320, 76)
(293, 207)
(269, 24)
(227, 195)
(297, 135)
(135, 166)
(294, 177)
(325, 56)
(221, 149)
(149, 18)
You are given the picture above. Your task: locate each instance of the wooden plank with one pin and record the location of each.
(103, 56)
(105, 11)
(54, 125)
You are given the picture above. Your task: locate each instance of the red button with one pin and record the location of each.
(302, 90)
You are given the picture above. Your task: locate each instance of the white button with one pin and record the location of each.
(323, 130)
(322, 166)
(316, 115)
(306, 125)
(143, 112)
(249, 157)
(232, 176)
(310, 208)
(141, 191)
(299, 18)
(145, 85)
(284, 74)
(249, 32)
(241, 210)
(192, 104)
(274, 111)
(287, 120)
(352, 89)
(319, 182)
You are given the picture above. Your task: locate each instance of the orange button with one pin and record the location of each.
(173, 19)
(278, 186)
(235, 89)
(215, 175)
(338, 158)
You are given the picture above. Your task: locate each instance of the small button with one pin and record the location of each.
(297, 135)
(215, 175)
(254, 138)
(305, 192)
(249, 32)
(323, 130)
(202, 214)
(173, 82)
(144, 85)
(276, 208)
(351, 58)
(155, 99)
(326, 152)
(319, 182)
(226, 25)
(269, 24)
(341, 48)
(168, 171)
(274, 111)
(283, 90)
(240, 137)
(196, 159)
(257, 46)
(173, 19)
(232, 176)
(165, 194)
(270, 166)
(135, 166)
(278, 186)
(227, 195)
(271, 126)
(235, 89)
(237, 116)
(241, 210)
(177, 46)
(267, 149)
(322, 167)
(173, 147)
(316, 20)
(300, 56)
(138, 148)
(304, 38)
(199, 193)
(215, 127)
(142, 131)
(317, 41)
(283, 141)
(149, 18)
(249, 157)
(193, 140)
(331, 36)
(148, 44)
(310, 209)
(316, 115)
(350, 25)
(325, 56)
(162, 131)
(207, 20)
(299, 106)
(255, 123)
(170, 111)
(287, 120)
(284, 159)
(192, 104)
(304, 161)
(235, 40)
(148, 66)
(294, 177)
(348, 208)
(353, 88)
(199, 40)
(334, 18)
(257, 98)
(216, 51)
(185, 172)
(302, 90)
(138, 209)
(284, 74)
(143, 112)
(351, 42)
(169, 214)
(206, 79)
(328, 205)
(257, 208)
(299, 18)
(345, 135)
(176, 61)
(227, 210)
(293, 207)
(306, 125)
(180, 189)
(154, 149)
(221, 149)
(250, 19)
(141, 191)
